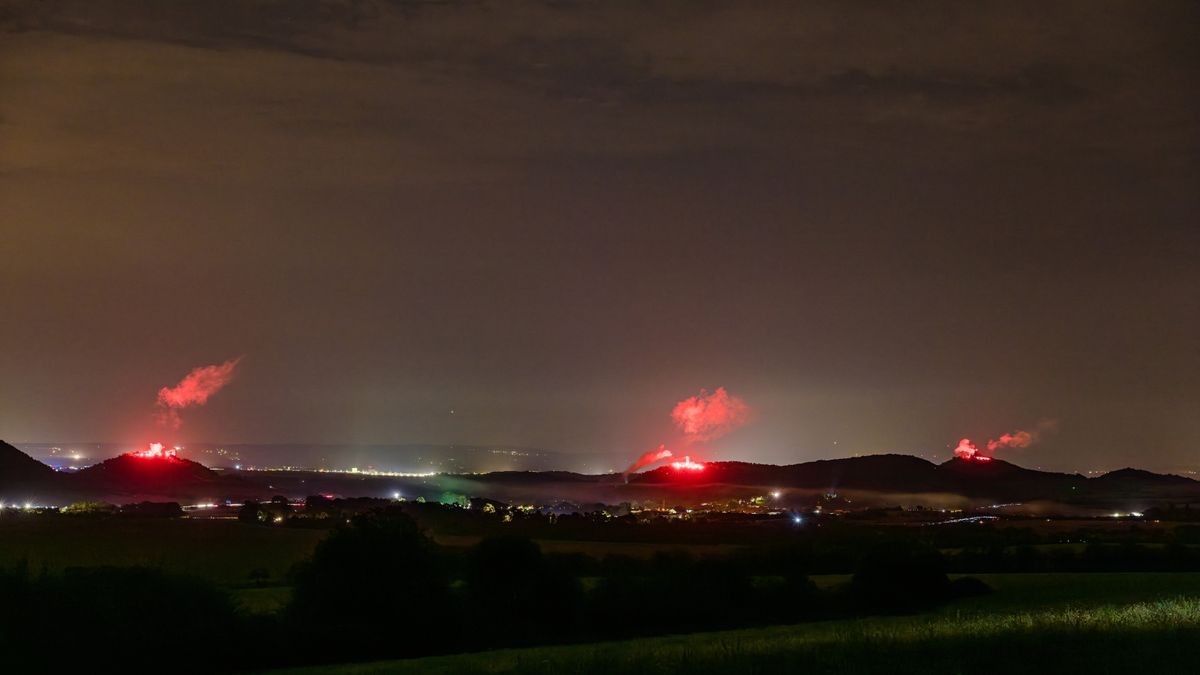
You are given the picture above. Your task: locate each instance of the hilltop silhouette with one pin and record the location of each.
(170, 476)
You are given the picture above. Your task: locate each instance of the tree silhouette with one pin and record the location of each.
(380, 583)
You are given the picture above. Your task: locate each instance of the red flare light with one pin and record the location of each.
(687, 465)
(155, 450)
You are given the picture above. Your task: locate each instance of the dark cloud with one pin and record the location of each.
(1038, 83)
(928, 62)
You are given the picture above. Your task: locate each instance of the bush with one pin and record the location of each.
(89, 509)
(374, 587)
(969, 587)
(673, 592)
(129, 619)
(901, 576)
(516, 595)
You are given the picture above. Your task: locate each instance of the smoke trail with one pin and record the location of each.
(1020, 438)
(708, 416)
(194, 389)
(647, 459)
(1017, 439)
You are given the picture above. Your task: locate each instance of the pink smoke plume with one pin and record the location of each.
(708, 416)
(1022, 439)
(967, 450)
(649, 458)
(1017, 439)
(194, 389)
(700, 418)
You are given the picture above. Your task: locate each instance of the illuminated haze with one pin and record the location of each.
(541, 223)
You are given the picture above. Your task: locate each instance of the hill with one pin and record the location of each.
(884, 473)
(524, 477)
(132, 473)
(169, 477)
(992, 479)
(1141, 478)
(1139, 484)
(20, 472)
(1003, 480)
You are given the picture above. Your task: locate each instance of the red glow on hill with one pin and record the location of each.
(687, 465)
(155, 450)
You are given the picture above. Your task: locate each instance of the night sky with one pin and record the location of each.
(884, 226)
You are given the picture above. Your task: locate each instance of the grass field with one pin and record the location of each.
(222, 551)
(1060, 623)
(599, 549)
(1015, 592)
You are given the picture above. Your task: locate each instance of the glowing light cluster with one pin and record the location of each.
(155, 450)
(687, 465)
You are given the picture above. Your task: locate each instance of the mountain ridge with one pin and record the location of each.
(135, 474)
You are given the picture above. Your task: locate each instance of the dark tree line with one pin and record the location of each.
(378, 587)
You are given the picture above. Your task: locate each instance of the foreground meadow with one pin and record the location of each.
(1081, 623)
(224, 552)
